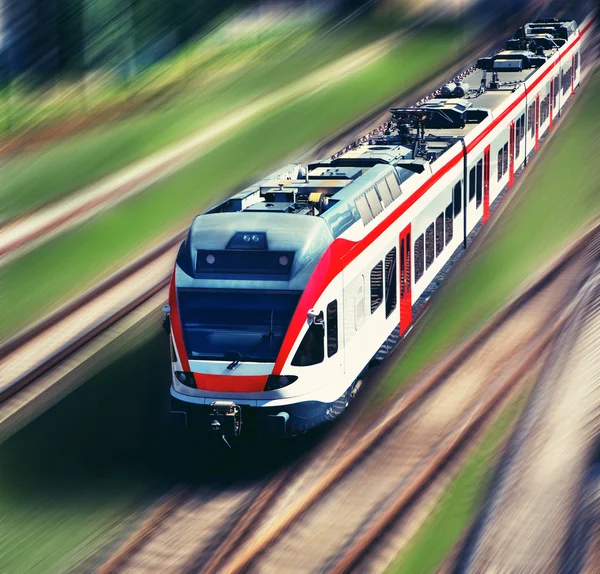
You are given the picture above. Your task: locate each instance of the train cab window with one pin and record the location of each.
(449, 224)
(419, 257)
(576, 62)
(311, 350)
(472, 183)
(505, 158)
(457, 198)
(376, 286)
(332, 328)
(556, 89)
(390, 282)
(500, 163)
(429, 248)
(479, 182)
(439, 234)
(518, 129)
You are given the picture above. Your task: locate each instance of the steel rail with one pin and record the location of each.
(396, 413)
(450, 448)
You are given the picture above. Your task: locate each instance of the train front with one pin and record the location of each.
(235, 291)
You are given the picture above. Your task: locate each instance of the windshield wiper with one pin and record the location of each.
(247, 354)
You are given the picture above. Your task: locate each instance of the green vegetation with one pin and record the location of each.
(74, 476)
(559, 200)
(38, 177)
(87, 253)
(76, 480)
(459, 504)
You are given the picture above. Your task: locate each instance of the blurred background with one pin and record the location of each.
(67, 59)
(120, 120)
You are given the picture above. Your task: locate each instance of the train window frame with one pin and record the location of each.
(429, 242)
(419, 257)
(457, 198)
(439, 234)
(479, 194)
(376, 289)
(391, 281)
(472, 183)
(332, 328)
(449, 225)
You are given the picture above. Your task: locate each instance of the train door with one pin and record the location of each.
(486, 184)
(405, 280)
(511, 155)
(551, 104)
(537, 122)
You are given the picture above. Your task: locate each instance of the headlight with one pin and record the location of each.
(186, 379)
(279, 381)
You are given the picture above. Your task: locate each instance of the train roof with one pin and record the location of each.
(360, 183)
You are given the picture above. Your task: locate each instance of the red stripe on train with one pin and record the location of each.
(176, 324)
(231, 383)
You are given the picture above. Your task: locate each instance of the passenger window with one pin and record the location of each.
(479, 182)
(376, 286)
(332, 328)
(472, 183)
(359, 304)
(505, 167)
(457, 198)
(311, 349)
(419, 258)
(500, 163)
(408, 262)
(429, 249)
(439, 234)
(390, 282)
(449, 224)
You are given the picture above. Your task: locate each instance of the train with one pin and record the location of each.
(284, 294)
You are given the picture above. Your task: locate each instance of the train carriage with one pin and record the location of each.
(283, 294)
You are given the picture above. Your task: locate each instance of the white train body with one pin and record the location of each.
(283, 294)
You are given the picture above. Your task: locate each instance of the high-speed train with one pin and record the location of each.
(283, 294)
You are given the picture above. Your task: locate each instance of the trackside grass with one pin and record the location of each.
(60, 168)
(459, 504)
(42, 279)
(558, 200)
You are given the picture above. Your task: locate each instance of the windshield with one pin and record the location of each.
(223, 324)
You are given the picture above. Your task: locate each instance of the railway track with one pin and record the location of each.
(326, 512)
